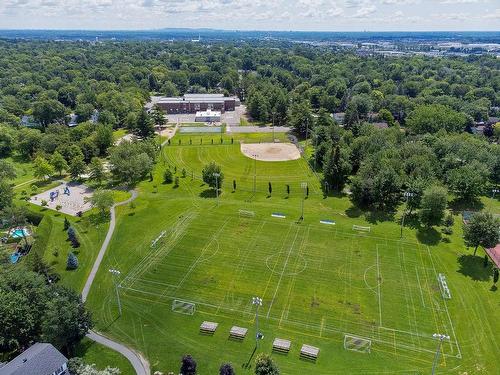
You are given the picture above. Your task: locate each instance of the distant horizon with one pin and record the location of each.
(254, 15)
(250, 30)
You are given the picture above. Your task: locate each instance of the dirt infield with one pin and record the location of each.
(271, 151)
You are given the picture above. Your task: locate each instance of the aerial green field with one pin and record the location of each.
(319, 282)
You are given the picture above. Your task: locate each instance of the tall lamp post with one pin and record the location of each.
(304, 187)
(441, 338)
(254, 172)
(257, 302)
(217, 175)
(408, 195)
(115, 273)
(494, 191)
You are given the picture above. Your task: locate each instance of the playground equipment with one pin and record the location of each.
(54, 195)
(66, 191)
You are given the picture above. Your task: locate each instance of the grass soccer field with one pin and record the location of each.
(318, 282)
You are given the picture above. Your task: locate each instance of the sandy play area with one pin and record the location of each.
(70, 196)
(271, 151)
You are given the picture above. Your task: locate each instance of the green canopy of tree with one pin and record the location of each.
(208, 174)
(482, 230)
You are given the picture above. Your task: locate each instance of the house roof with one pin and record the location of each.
(38, 359)
(494, 254)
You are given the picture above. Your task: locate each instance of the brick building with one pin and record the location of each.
(192, 103)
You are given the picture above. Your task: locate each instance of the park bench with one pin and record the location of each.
(238, 333)
(281, 345)
(208, 327)
(309, 352)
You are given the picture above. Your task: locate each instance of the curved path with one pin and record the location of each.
(140, 364)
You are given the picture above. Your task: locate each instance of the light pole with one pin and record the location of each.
(217, 175)
(115, 274)
(407, 194)
(304, 187)
(494, 191)
(257, 302)
(441, 338)
(254, 173)
(273, 125)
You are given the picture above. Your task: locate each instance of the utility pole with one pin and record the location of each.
(257, 302)
(304, 187)
(273, 126)
(407, 194)
(217, 175)
(115, 273)
(254, 173)
(441, 338)
(494, 191)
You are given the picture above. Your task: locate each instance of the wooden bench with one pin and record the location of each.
(309, 352)
(208, 327)
(238, 333)
(281, 345)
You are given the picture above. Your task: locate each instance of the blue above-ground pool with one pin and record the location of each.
(19, 233)
(14, 258)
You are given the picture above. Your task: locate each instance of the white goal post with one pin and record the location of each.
(360, 228)
(357, 344)
(183, 307)
(245, 213)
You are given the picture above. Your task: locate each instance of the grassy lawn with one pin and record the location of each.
(102, 357)
(24, 171)
(117, 134)
(318, 282)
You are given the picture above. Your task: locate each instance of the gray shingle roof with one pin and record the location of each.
(38, 359)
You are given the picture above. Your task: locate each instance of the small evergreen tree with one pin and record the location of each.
(495, 275)
(226, 369)
(485, 263)
(168, 176)
(66, 224)
(270, 188)
(234, 185)
(176, 183)
(188, 365)
(72, 262)
(288, 190)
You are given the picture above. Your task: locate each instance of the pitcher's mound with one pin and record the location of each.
(271, 151)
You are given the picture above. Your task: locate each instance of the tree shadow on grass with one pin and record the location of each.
(473, 266)
(373, 217)
(460, 205)
(353, 212)
(208, 193)
(428, 236)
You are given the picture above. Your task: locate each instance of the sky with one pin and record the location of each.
(307, 15)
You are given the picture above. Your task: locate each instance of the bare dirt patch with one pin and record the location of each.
(271, 151)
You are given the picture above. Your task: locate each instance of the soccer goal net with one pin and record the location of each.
(360, 228)
(443, 286)
(183, 307)
(245, 213)
(357, 344)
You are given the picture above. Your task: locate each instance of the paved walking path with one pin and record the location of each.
(140, 364)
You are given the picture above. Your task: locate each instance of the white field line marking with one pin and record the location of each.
(282, 272)
(379, 279)
(409, 291)
(199, 259)
(447, 312)
(420, 287)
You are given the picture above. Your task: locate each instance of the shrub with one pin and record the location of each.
(449, 221)
(58, 207)
(447, 230)
(176, 183)
(72, 262)
(183, 173)
(44, 203)
(66, 223)
(168, 176)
